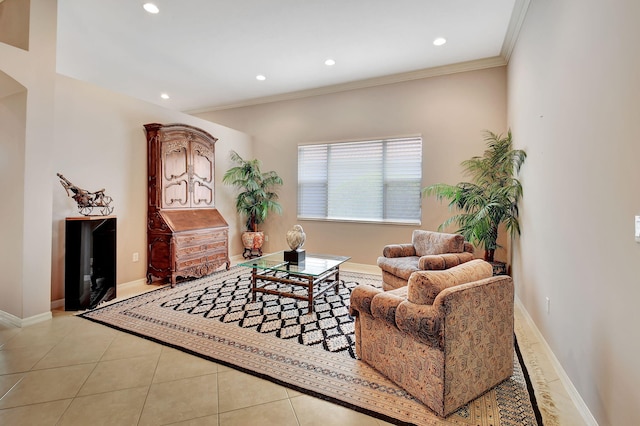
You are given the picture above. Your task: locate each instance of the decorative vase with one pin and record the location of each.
(252, 243)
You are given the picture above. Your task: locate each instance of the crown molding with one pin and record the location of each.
(479, 64)
(515, 24)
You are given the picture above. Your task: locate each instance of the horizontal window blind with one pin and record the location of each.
(371, 181)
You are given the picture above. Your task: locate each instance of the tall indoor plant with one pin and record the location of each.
(490, 199)
(257, 196)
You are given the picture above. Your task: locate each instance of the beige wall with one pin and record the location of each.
(574, 103)
(100, 143)
(450, 112)
(12, 122)
(14, 23)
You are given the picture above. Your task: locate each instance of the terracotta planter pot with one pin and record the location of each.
(499, 268)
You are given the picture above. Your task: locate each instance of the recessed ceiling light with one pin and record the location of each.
(329, 62)
(151, 8)
(261, 77)
(164, 96)
(439, 41)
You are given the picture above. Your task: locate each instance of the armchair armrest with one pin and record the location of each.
(425, 323)
(482, 308)
(399, 250)
(384, 304)
(361, 297)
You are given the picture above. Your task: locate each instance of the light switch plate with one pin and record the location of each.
(637, 229)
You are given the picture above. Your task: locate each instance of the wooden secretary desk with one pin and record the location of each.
(186, 235)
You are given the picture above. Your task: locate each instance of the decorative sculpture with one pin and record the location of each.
(296, 237)
(86, 200)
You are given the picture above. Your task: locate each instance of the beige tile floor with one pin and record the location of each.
(70, 371)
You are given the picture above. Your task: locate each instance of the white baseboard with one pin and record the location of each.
(23, 322)
(361, 267)
(132, 283)
(571, 390)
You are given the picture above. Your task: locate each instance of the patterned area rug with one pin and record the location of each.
(228, 300)
(277, 339)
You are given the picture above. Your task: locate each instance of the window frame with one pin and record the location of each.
(386, 181)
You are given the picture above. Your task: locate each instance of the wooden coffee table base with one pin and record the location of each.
(302, 280)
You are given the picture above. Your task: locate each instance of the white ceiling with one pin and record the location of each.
(206, 53)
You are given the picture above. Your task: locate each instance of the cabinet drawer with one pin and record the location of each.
(191, 239)
(212, 257)
(219, 235)
(190, 262)
(200, 238)
(204, 247)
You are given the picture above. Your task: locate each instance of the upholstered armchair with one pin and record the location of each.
(427, 251)
(446, 338)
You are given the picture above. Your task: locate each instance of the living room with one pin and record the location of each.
(569, 93)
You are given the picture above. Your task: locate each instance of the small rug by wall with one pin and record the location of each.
(276, 339)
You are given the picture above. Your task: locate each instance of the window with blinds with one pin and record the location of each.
(366, 181)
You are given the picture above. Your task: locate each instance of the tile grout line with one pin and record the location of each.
(146, 397)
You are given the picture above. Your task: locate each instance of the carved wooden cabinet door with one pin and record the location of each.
(175, 174)
(187, 171)
(202, 172)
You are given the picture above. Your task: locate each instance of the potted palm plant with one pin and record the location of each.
(490, 199)
(256, 198)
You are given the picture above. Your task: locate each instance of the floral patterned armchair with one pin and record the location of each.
(446, 338)
(427, 251)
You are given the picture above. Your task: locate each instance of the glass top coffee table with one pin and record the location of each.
(273, 275)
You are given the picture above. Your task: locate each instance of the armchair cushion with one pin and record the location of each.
(401, 267)
(443, 261)
(424, 286)
(427, 242)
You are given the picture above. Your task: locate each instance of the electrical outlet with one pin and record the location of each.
(266, 237)
(135, 257)
(548, 305)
